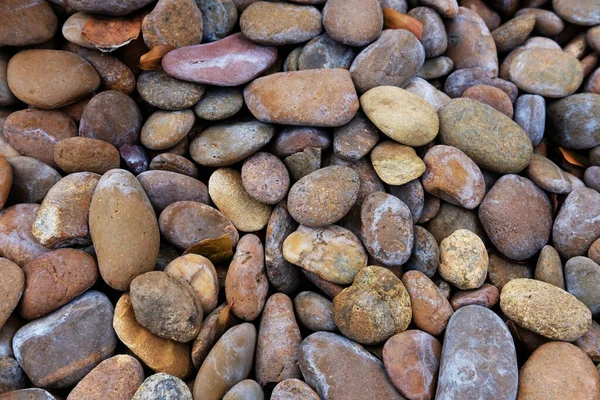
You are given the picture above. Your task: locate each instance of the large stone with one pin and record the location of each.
(26, 22)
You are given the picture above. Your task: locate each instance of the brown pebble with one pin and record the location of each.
(353, 22)
(486, 296)
(79, 154)
(17, 243)
(463, 260)
(431, 311)
(265, 178)
(12, 284)
(492, 96)
(175, 23)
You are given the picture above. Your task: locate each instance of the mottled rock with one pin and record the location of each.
(165, 188)
(81, 154)
(431, 310)
(17, 243)
(353, 22)
(425, 255)
(548, 175)
(246, 389)
(486, 296)
(582, 277)
(396, 164)
(292, 140)
(12, 283)
(428, 92)
(12, 376)
(437, 67)
(26, 22)
(530, 114)
(462, 79)
(549, 267)
(463, 260)
(324, 52)
(579, 12)
(290, 389)
(501, 271)
(492, 96)
(314, 311)
(162, 386)
(412, 195)
(573, 121)
(284, 276)
(167, 93)
(577, 224)
(219, 18)
(434, 40)
(514, 32)
(355, 139)
(175, 23)
(450, 218)
(219, 103)
(265, 178)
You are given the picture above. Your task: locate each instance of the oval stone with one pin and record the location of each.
(353, 22)
(338, 368)
(582, 278)
(17, 242)
(37, 77)
(166, 92)
(246, 389)
(173, 163)
(463, 260)
(107, 7)
(174, 23)
(124, 229)
(478, 358)
(396, 164)
(324, 52)
(162, 386)
(12, 283)
(219, 103)
(231, 61)
(26, 22)
(487, 136)
(283, 276)
(164, 129)
(545, 309)
(66, 332)
(314, 311)
(324, 196)
(81, 154)
(165, 188)
(530, 114)
(31, 180)
(578, 12)
(265, 178)
(573, 122)
(430, 309)
(288, 98)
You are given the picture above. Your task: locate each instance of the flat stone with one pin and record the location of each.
(425, 256)
(464, 78)
(514, 32)
(173, 163)
(355, 139)
(485, 296)
(548, 175)
(450, 218)
(324, 52)
(175, 23)
(107, 7)
(314, 312)
(26, 22)
(492, 96)
(165, 188)
(164, 129)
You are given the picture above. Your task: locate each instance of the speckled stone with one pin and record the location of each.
(462, 79)
(492, 96)
(166, 92)
(219, 103)
(283, 276)
(164, 129)
(219, 18)
(17, 243)
(12, 283)
(514, 32)
(314, 312)
(582, 277)
(431, 309)
(396, 164)
(324, 52)
(435, 40)
(579, 12)
(353, 22)
(293, 388)
(530, 114)
(548, 175)
(549, 267)
(572, 121)
(26, 22)
(486, 296)
(463, 260)
(355, 139)
(162, 386)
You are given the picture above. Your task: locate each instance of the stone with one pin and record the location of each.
(162, 386)
(425, 256)
(464, 78)
(107, 7)
(486, 296)
(437, 67)
(392, 60)
(265, 178)
(79, 154)
(431, 310)
(174, 23)
(37, 77)
(412, 195)
(545, 309)
(549, 267)
(446, 8)
(6, 180)
(530, 114)
(26, 22)
(219, 103)
(556, 370)
(355, 139)
(291, 388)
(450, 218)
(501, 271)
(582, 276)
(591, 177)
(246, 389)
(487, 136)
(170, 162)
(228, 363)
(12, 376)
(72, 29)
(434, 40)
(287, 98)
(548, 175)
(314, 312)
(303, 163)
(339, 368)
(206, 63)
(118, 376)
(578, 12)
(353, 22)
(28, 394)
(411, 360)
(227, 192)
(167, 93)
(186, 223)
(159, 354)
(590, 342)
(292, 140)
(324, 52)
(135, 158)
(577, 225)
(123, 253)
(200, 273)
(31, 180)
(396, 164)
(376, 307)
(246, 283)
(6, 96)
(572, 121)
(278, 342)
(463, 260)
(211, 331)
(514, 32)
(404, 117)
(332, 252)
(436, 98)
(113, 117)
(164, 129)
(472, 44)
(219, 18)
(280, 23)
(492, 96)
(387, 230)
(17, 243)
(489, 16)
(12, 284)
(165, 188)
(283, 276)
(478, 357)
(66, 332)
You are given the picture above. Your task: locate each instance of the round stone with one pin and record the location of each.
(353, 22)
(463, 260)
(175, 23)
(219, 103)
(572, 121)
(167, 93)
(265, 178)
(164, 129)
(79, 154)
(162, 386)
(26, 22)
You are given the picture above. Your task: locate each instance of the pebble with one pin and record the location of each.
(582, 276)
(161, 355)
(472, 44)
(287, 98)
(425, 253)
(211, 331)
(246, 389)
(12, 284)
(290, 389)
(219, 103)
(446, 8)
(549, 267)
(314, 312)
(355, 139)
(31, 180)
(79, 154)
(166, 92)
(176, 23)
(219, 18)
(514, 32)
(265, 178)
(572, 121)
(200, 273)
(396, 164)
(352, 372)
(67, 332)
(436, 98)
(72, 29)
(501, 271)
(228, 363)
(28, 394)
(118, 377)
(6, 96)
(113, 117)
(412, 360)
(7, 331)
(437, 67)
(135, 158)
(120, 201)
(324, 52)
(174, 163)
(517, 217)
(164, 129)
(542, 43)
(431, 310)
(547, 23)
(353, 22)
(463, 260)
(487, 136)
(303, 163)
(291, 61)
(165, 188)
(578, 12)
(278, 342)
(592, 85)
(486, 296)
(412, 195)
(545, 309)
(376, 307)
(26, 22)
(162, 386)
(453, 176)
(548, 175)
(478, 358)
(548, 73)
(186, 223)
(489, 16)
(392, 60)
(17, 243)
(558, 370)
(332, 252)
(591, 177)
(491, 96)
(387, 230)
(462, 79)
(403, 116)
(227, 143)
(292, 140)
(283, 276)
(530, 114)
(434, 40)
(590, 342)
(246, 284)
(6, 180)
(107, 7)
(450, 218)
(12, 376)
(576, 226)
(323, 197)
(226, 190)
(231, 61)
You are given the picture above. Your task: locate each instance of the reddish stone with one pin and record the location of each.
(486, 296)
